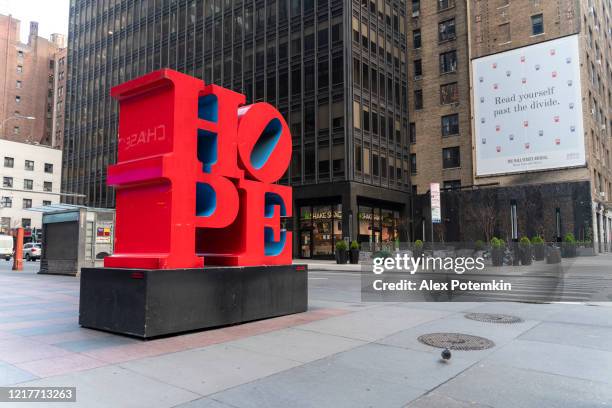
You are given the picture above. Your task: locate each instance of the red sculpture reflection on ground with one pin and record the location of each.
(194, 176)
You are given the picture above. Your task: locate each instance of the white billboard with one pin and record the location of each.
(528, 108)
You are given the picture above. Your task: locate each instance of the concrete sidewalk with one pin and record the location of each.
(338, 354)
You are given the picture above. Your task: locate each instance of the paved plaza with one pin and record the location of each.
(341, 353)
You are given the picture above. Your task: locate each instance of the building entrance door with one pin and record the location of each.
(306, 244)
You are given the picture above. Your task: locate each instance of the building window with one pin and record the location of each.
(48, 168)
(320, 229)
(416, 8)
(444, 4)
(357, 158)
(450, 125)
(448, 62)
(504, 33)
(17, 99)
(537, 24)
(5, 223)
(418, 99)
(452, 184)
(46, 202)
(29, 165)
(413, 166)
(20, 54)
(18, 84)
(451, 157)
(19, 69)
(16, 130)
(418, 69)
(27, 203)
(7, 202)
(9, 162)
(449, 93)
(47, 186)
(7, 182)
(26, 222)
(446, 30)
(28, 184)
(412, 132)
(416, 39)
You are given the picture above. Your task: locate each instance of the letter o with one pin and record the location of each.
(264, 145)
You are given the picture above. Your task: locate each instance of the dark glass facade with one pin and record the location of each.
(336, 70)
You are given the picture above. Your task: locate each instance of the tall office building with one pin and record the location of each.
(335, 69)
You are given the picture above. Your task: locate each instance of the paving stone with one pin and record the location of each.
(435, 400)
(297, 345)
(95, 343)
(503, 386)
(114, 387)
(570, 361)
(210, 369)
(10, 375)
(388, 320)
(590, 336)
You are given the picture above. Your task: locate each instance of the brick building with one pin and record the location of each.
(487, 28)
(440, 128)
(27, 83)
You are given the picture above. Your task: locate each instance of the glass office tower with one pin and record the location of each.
(336, 70)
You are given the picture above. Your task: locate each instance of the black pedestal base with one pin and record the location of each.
(149, 303)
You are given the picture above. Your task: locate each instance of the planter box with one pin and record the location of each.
(525, 255)
(585, 251)
(553, 255)
(497, 256)
(539, 252)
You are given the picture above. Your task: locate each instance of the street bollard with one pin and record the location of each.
(18, 259)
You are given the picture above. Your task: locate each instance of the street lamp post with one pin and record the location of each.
(15, 117)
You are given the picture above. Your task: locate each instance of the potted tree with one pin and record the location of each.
(418, 247)
(539, 250)
(354, 252)
(568, 248)
(525, 251)
(497, 251)
(341, 252)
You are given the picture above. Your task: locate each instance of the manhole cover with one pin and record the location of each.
(456, 341)
(493, 318)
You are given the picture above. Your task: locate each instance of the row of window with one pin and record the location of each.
(7, 202)
(378, 164)
(5, 223)
(28, 184)
(449, 94)
(446, 32)
(442, 5)
(448, 64)
(9, 162)
(449, 126)
(451, 158)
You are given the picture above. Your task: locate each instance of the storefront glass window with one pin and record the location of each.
(320, 228)
(322, 231)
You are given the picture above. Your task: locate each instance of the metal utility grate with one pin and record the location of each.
(456, 341)
(493, 318)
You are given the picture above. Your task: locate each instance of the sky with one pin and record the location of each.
(52, 15)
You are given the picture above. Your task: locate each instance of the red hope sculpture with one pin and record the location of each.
(194, 176)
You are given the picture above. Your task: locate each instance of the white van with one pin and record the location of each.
(6, 247)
